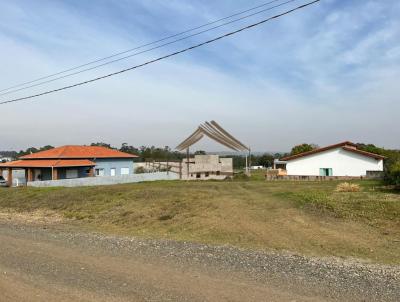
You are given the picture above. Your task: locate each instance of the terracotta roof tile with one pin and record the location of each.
(48, 163)
(79, 152)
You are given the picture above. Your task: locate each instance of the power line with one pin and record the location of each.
(163, 57)
(144, 51)
(141, 46)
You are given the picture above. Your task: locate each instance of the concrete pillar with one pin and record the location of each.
(91, 172)
(54, 175)
(10, 177)
(187, 162)
(30, 174)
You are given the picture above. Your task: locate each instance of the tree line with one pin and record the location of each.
(146, 153)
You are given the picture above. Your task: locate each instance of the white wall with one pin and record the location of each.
(104, 180)
(342, 162)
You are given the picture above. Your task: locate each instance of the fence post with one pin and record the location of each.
(167, 167)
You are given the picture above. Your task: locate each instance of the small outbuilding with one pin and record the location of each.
(339, 160)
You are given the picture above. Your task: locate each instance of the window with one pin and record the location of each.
(113, 171)
(71, 173)
(207, 174)
(124, 171)
(198, 175)
(325, 172)
(99, 172)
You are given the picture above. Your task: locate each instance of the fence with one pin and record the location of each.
(173, 166)
(104, 180)
(320, 178)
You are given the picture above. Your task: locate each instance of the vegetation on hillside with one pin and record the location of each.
(145, 153)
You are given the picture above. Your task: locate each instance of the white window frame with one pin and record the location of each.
(125, 171)
(113, 171)
(99, 172)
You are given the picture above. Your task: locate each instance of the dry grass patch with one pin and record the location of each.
(348, 187)
(305, 217)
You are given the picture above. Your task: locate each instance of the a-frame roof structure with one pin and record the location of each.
(214, 131)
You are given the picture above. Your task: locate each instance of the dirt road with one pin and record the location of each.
(59, 263)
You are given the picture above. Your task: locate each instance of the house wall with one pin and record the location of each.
(62, 172)
(342, 162)
(108, 163)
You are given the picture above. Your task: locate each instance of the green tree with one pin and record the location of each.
(265, 160)
(303, 148)
(31, 150)
(392, 174)
(101, 144)
(129, 149)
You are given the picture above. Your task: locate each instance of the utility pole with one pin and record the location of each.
(247, 167)
(249, 161)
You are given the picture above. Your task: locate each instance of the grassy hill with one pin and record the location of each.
(305, 217)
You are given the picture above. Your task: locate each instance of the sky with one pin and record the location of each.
(324, 74)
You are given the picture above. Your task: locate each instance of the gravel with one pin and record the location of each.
(332, 278)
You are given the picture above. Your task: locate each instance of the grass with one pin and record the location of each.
(305, 217)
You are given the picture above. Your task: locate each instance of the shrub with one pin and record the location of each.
(347, 187)
(392, 175)
(241, 176)
(140, 170)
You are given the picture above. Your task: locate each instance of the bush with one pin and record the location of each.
(392, 175)
(241, 176)
(140, 170)
(347, 187)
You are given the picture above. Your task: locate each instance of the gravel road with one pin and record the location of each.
(59, 262)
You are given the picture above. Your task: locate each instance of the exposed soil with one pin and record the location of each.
(49, 262)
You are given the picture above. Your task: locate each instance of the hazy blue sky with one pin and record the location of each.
(328, 73)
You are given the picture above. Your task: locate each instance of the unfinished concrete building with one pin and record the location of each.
(205, 167)
(209, 166)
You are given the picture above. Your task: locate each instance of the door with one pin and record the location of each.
(112, 171)
(37, 174)
(325, 172)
